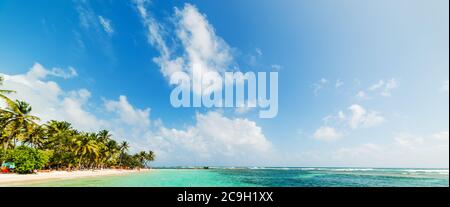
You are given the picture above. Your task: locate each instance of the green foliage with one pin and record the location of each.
(27, 159)
(44, 157)
(131, 161)
(4, 155)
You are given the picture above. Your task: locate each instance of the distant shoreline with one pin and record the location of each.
(14, 179)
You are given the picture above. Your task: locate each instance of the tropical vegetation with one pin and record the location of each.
(57, 144)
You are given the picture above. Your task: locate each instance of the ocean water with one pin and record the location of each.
(273, 177)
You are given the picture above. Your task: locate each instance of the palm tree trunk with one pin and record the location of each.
(120, 160)
(7, 141)
(14, 143)
(79, 162)
(5, 145)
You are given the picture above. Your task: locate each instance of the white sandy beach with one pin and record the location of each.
(12, 179)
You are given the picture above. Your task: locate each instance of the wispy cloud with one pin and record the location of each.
(383, 87)
(326, 133)
(362, 95)
(38, 71)
(95, 27)
(106, 24)
(357, 117)
(377, 85)
(339, 83)
(319, 86)
(200, 44)
(360, 117)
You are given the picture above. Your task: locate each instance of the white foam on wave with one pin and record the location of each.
(352, 169)
(437, 171)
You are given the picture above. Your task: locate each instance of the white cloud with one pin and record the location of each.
(319, 86)
(58, 72)
(86, 15)
(200, 44)
(327, 134)
(127, 113)
(106, 24)
(377, 85)
(341, 115)
(384, 87)
(408, 141)
(259, 51)
(155, 38)
(38, 71)
(405, 150)
(74, 109)
(362, 95)
(360, 117)
(213, 138)
(96, 28)
(390, 85)
(48, 100)
(357, 117)
(442, 136)
(420, 150)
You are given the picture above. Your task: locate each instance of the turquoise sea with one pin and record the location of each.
(274, 177)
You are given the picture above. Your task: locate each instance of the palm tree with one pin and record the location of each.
(112, 148)
(36, 136)
(5, 115)
(3, 92)
(123, 148)
(4, 138)
(85, 145)
(61, 140)
(150, 156)
(104, 136)
(141, 156)
(18, 121)
(144, 157)
(60, 135)
(9, 102)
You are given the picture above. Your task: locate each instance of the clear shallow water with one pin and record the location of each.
(274, 177)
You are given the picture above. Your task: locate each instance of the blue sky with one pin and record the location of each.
(361, 83)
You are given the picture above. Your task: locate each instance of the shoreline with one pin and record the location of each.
(16, 179)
